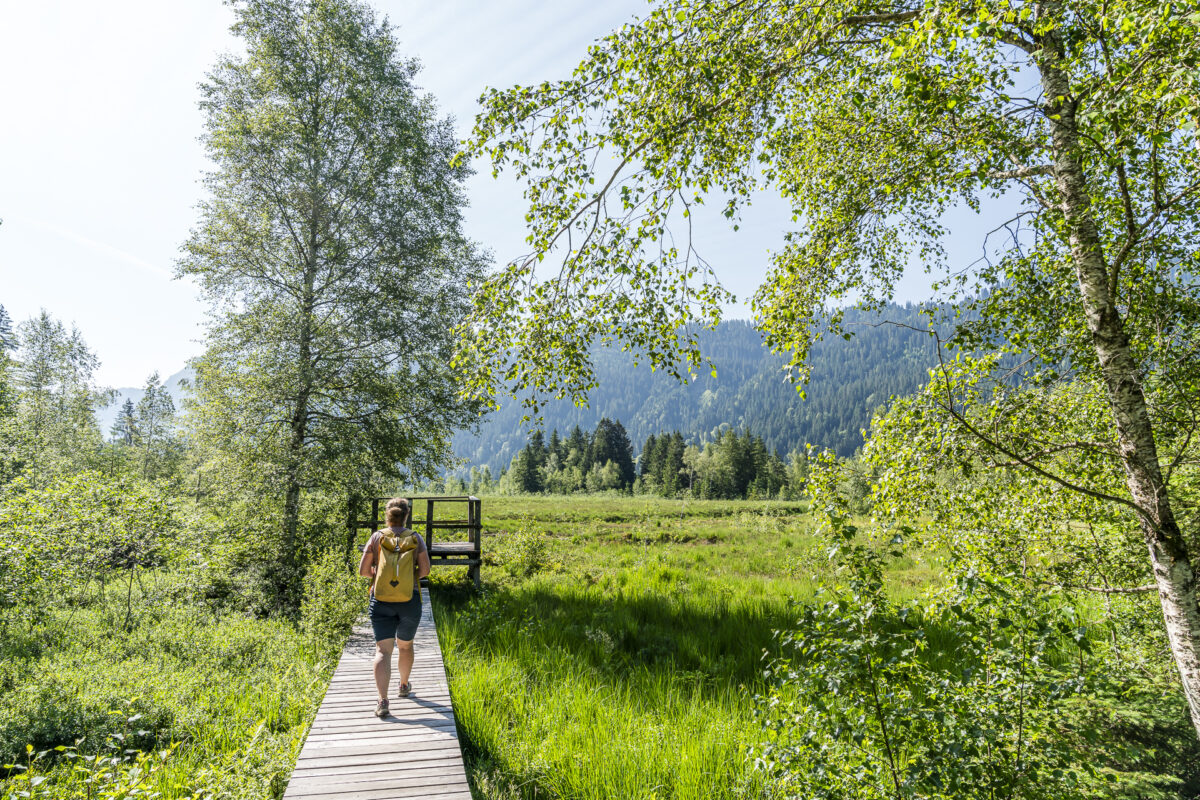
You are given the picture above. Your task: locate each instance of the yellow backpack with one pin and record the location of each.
(396, 569)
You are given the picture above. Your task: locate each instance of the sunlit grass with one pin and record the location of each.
(236, 695)
(627, 665)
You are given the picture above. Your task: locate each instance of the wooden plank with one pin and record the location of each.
(349, 772)
(386, 791)
(453, 547)
(429, 522)
(349, 754)
(430, 771)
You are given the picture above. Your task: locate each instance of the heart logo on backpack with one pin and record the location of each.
(395, 583)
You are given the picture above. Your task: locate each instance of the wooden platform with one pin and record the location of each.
(351, 755)
(440, 532)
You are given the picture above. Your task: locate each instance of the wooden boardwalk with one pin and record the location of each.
(352, 755)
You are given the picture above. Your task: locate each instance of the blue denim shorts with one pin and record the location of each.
(395, 620)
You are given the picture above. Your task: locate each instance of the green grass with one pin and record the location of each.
(615, 651)
(619, 643)
(626, 664)
(236, 694)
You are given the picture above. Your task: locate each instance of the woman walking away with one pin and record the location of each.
(395, 559)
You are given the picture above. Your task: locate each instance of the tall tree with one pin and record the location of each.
(647, 460)
(610, 442)
(672, 477)
(872, 119)
(538, 452)
(124, 427)
(8, 395)
(155, 429)
(331, 247)
(524, 473)
(56, 397)
(576, 447)
(8, 339)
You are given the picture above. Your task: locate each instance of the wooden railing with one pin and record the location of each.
(445, 549)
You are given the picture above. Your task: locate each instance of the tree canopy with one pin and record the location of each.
(331, 247)
(872, 119)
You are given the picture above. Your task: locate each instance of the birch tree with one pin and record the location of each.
(331, 247)
(872, 119)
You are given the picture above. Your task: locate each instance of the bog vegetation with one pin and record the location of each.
(996, 597)
(735, 649)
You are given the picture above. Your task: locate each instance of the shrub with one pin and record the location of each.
(117, 771)
(955, 698)
(334, 598)
(527, 556)
(64, 534)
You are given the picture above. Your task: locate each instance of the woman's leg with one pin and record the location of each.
(404, 659)
(409, 615)
(383, 665)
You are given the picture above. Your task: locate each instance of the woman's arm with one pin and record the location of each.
(366, 567)
(423, 565)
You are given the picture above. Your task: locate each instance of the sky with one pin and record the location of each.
(100, 162)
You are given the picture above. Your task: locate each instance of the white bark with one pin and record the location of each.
(1174, 573)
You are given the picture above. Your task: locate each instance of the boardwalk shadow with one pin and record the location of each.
(419, 722)
(416, 699)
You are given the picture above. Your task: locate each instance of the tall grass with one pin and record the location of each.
(619, 643)
(633, 687)
(626, 665)
(235, 694)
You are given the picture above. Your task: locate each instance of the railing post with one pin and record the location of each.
(429, 522)
(374, 514)
(351, 528)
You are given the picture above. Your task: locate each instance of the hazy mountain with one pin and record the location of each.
(850, 380)
(174, 384)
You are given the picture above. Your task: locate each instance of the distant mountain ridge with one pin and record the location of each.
(106, 416)
(850, 380)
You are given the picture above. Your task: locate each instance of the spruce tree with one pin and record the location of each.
(8, 339)
(645, 468)
(672, 479)
(623, 455)
(156, 429)
(538, 452)
(124, 427)
(576, 447)
(524, 474)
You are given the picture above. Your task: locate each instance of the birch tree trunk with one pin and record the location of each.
(1173, 570)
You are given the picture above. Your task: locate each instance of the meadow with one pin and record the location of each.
(164, 685)
(619, 642)
(621, 647)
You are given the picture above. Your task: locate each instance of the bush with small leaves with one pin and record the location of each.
(334, 597)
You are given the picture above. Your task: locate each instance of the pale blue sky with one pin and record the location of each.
(99, 158)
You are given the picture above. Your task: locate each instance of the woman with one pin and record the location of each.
(393, 621)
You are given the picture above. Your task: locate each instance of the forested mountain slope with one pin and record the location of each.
(850, 380)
